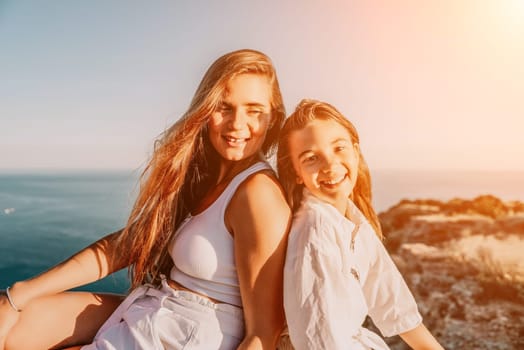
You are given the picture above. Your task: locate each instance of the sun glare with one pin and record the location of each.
(512, 12)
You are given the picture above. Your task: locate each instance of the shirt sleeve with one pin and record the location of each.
(314, 295)
(391, 305)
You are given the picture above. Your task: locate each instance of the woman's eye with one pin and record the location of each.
(254, 112)
(224, 108)
(340, 148)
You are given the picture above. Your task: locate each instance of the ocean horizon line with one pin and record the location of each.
(43, 170)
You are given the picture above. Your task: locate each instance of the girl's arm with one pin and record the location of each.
(419, 338)
(391, 304)
(259, 218)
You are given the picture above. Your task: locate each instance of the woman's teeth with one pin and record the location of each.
(234, 139)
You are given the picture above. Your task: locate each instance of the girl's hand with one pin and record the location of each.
(8, 318)
(419, 338)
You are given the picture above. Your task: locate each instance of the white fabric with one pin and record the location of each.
(165, 318)
(203, 250)
(336, 272)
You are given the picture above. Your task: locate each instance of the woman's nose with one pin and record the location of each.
(238, 119)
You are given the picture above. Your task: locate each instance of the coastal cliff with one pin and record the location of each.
(463, 262)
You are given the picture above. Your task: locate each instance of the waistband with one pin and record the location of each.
(166, 289)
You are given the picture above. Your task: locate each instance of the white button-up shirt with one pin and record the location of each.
(337, 272)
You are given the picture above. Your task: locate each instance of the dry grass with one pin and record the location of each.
(498, 280)
(498, 257)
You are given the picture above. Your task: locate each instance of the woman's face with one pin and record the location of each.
(325, 160)
(237, 129)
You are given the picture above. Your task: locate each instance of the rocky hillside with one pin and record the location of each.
(463, 261)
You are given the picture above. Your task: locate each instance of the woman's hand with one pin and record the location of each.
(8, 318)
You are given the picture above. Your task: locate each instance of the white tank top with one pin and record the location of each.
(203, 251)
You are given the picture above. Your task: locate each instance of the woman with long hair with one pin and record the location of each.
(200, 242)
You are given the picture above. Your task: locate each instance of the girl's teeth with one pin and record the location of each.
(332, 182)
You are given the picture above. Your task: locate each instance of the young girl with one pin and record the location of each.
(337, 271)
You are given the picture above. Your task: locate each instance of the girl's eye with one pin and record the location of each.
(340, 148)
(309, 159)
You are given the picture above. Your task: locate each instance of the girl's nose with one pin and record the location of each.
(327, 163)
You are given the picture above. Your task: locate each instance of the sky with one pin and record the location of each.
(430, 85)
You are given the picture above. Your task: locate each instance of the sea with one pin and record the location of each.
(45, 217)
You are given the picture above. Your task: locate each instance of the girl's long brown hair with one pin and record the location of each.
(307, 111)
(183, 166)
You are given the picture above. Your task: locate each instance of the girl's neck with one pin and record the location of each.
(342, 206)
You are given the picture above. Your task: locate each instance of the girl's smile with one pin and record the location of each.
(325, 159)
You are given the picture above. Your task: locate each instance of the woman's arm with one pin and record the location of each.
(419, 338)
(90, 264)
(259, 219)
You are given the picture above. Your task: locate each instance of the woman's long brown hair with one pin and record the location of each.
(183, 166)
(307, 111)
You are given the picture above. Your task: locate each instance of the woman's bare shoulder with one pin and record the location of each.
(262, 186)
(260, 200)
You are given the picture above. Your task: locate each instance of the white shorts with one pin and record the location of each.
(165, 318)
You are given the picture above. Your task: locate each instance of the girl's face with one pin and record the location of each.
(237, 129)
(325, 160)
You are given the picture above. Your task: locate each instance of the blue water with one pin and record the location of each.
(45, 218)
